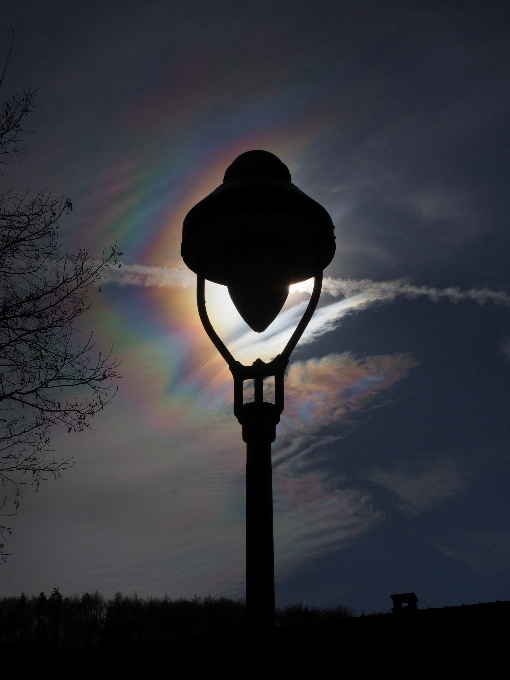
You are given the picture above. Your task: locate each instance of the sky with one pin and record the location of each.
(391, 468)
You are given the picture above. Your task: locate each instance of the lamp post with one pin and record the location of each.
(257, 233)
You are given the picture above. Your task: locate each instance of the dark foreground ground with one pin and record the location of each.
(445, 641)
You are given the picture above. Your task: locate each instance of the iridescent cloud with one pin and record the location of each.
(313, 512)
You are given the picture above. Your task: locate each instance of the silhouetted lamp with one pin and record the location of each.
(257, 233)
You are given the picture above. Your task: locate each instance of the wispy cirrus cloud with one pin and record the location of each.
(416, 487)
(315, 513)
(311, 520)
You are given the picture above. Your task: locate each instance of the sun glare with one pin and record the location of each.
(224, 316)
(302, 287)
(238, 336)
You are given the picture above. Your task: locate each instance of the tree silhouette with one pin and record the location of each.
(46, 377)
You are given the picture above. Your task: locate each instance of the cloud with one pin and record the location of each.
(389, 290)
(312, 514)
(311, 520)
(486, 551)
(359, 294)
(330, 390)
(417, 487)
(145, 275)
(505, 348)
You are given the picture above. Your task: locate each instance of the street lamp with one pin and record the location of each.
(257, 233)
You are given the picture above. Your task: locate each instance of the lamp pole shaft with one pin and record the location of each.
(259, 421)
(260, 599)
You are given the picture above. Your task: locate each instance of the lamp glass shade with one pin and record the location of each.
(258, 279)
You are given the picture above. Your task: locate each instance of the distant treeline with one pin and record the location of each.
(56, 624)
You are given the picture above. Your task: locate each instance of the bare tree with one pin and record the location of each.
(47, 378)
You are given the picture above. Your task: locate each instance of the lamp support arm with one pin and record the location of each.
(310, 309)
(208, 327)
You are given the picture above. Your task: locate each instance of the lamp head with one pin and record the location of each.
(256, 234)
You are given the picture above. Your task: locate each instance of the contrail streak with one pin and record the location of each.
(387, 290)
(145, 275)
